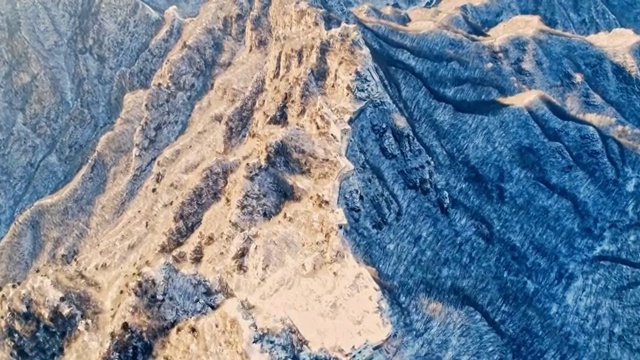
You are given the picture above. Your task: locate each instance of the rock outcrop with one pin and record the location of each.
(284, 179)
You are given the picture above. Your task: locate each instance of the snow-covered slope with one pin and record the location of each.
(286, 179)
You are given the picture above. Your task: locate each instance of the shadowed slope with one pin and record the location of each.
(501, 211)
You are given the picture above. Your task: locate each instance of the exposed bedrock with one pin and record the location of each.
(162, 86)
(495, 189)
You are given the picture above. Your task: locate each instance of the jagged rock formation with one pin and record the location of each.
(195, 177)
(193, 173)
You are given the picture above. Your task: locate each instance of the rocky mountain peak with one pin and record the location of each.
(322, 179)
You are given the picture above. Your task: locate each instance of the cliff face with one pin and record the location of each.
(277, 179)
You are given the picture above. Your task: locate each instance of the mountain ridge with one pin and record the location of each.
(459, 176)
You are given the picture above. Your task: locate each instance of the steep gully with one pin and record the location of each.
(498, 230)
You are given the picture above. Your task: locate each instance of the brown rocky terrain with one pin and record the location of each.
(227, 167)
(283, 179)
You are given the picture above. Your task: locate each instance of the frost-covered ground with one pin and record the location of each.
(193, 178)
(496, 183)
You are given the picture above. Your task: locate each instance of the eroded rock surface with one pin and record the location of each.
(279, 179)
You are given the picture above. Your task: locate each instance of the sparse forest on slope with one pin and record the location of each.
(279, 179)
